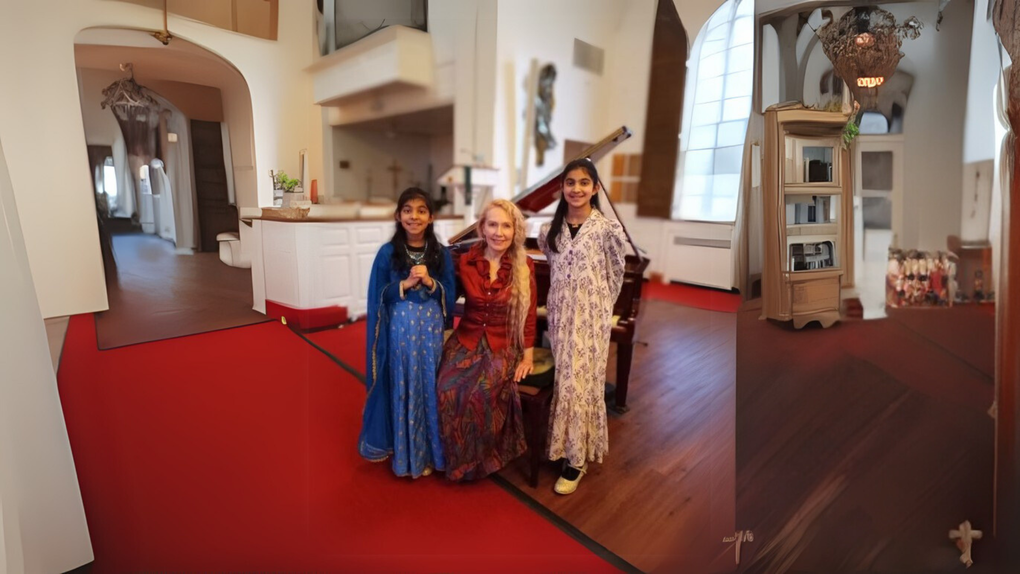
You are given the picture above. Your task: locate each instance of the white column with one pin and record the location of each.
(42, 520)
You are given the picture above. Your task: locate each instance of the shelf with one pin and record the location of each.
(813, 229)
(812, 189)
(811, 274)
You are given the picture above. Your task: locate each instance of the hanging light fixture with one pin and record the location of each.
(864, 48)
(136, 111)
(164, 35)
(127, 99)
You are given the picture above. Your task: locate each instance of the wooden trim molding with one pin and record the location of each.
(1006, 19)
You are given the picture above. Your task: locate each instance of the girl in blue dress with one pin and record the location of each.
(410, 295)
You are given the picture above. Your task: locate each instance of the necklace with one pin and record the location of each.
(416, 257)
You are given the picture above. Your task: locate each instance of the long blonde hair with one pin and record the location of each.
(520, 289)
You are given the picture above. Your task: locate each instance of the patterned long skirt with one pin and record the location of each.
(415, 343)
(479, 410)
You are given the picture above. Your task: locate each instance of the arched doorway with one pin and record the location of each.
(181, 166)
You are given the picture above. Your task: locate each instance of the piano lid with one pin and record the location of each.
(542, 195)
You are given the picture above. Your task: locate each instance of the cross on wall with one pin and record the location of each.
(396, 169)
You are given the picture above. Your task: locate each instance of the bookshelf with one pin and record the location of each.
(807, 195)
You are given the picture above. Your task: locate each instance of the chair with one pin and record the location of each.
(535, 392)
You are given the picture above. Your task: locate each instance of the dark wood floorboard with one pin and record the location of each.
(860, 446)
(157, 294)
(664, 498)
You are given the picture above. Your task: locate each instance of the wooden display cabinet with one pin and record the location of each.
(807, 206)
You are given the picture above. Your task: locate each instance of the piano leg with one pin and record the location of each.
(624, 355)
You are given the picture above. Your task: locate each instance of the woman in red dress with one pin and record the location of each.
(490, 352)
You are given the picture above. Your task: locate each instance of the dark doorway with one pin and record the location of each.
(215, 214)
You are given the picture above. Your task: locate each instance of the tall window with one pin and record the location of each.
(716, 109)
(110, 182)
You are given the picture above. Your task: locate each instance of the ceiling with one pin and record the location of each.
(430, 122)
(179, 62)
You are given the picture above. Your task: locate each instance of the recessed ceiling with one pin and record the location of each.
(431, 122)
(187, 63)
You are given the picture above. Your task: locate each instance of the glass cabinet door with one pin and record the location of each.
(812, 231)
(812, 161)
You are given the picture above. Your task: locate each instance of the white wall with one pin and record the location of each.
(581, 97)
(933, 125)
(475, 38)
(42, 520)
(979, 142)
(56, 206)
(441, 157)
(101, 128)
(373, 152)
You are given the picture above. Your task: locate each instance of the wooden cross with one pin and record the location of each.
(396, 169)
(965, 537)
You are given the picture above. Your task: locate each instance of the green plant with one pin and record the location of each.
(850, 131)
(853, 126)
(282, 181)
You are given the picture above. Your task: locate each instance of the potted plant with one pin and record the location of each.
(287, 184)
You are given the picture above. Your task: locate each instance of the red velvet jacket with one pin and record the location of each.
(485, 307)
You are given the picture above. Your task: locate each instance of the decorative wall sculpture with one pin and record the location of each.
(544, 103)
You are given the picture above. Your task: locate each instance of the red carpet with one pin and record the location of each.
(692, 296)
(235, 451)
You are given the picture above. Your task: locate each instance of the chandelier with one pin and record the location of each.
(864, 48)
(128, 100)
(137, 113)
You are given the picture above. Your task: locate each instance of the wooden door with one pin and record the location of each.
(215, 214)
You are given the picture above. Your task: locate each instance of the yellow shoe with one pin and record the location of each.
(427, 471)
(568, 481)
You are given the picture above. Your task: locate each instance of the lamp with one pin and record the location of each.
(864, 48)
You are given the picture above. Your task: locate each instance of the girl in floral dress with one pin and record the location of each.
(586, 253)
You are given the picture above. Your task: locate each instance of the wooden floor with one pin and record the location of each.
(664, 498)
(859, 447)
(156, 294)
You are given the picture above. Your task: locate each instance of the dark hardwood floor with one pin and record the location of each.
(664, 498)
(860, 446)
(156, 294)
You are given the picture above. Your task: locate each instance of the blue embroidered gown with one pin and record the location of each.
(405, 343)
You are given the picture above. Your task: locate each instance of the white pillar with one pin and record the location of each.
(42, 520)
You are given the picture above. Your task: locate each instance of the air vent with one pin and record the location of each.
(588, 57)
(698, 242)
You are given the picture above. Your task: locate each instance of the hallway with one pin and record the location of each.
(159, 294)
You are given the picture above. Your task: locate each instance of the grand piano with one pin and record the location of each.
(628, 305)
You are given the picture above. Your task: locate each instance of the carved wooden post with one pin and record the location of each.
(1006, 19)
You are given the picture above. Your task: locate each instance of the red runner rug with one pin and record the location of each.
(235, 451)
(692, 296)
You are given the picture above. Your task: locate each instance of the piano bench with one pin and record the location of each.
(536, 392)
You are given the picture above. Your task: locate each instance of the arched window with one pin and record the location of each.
(716, 108)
